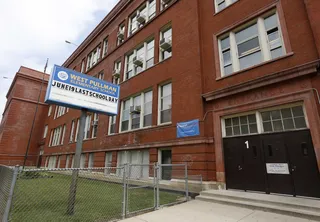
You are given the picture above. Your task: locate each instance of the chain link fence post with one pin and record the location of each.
(9, 202)
(124, 202)
(157, 185)
(186, 180)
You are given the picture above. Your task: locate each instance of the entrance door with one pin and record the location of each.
(276, 156)
(166, 159)
(244, 163)
(303, 163)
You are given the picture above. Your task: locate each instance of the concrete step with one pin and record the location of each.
(300, 207)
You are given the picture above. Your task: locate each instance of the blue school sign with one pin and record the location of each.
(79, 91)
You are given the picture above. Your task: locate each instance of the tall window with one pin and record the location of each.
(45, 131)
(258, 42)
(147, 112)
(120, 34)
(63, 134)
(112, 124)
(221, 4)
(95, 125)
(137, 112)
(105, 47)
(125, 115)
(91, 160)
(165, 4)
(166, 43)
(77, 130)
(165, 93)
(56, 139)
(59, 111)
(139, 59)
(93, 57)
(50, 110)
(82, 66)
(72, 131)
(116, 73)
(87, 127)
(140, 17)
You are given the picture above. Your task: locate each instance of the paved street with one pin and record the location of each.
(199, 211)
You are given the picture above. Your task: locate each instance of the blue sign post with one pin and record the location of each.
(72, 89)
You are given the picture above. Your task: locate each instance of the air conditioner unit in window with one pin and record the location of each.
(94, 123)
(120, 34)
(165, 44)
(135, 109)
(116, 73)
(166, 1)
(141, 18)
(137, 61)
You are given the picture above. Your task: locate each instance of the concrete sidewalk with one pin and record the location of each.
(200, 211)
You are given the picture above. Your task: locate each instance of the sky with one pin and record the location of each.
(34, 30)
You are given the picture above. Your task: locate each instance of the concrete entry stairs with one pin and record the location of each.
(296, 206)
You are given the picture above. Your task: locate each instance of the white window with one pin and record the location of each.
(50, 110)
(87, 127)
(108, 163)
(112, 125)
(139, 59)
(165, 4)
(51, 137)
(72, 131)
(165, 102)
(125, 116)
(77, 130)
(166, 43)
(93, 57)
(52, 162)
(59, 111)
(45, 132)
(139, 18)
(120, 38)
(241, 125)
(147, 109)
(57, 132)
(136, 112)
(59, 159)
(100, 75)
(105, 47)
(72, 162)
(116, 73)
(286, 118)
(95, 125)
(91, 160)
(83, 160)
(82, 66)
(258, 42)
(67, 161)
(63, 134)
(221, 4)
(135, 157)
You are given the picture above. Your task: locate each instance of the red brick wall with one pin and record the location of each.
(17, 121)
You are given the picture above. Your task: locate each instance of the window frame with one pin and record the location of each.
(227, 2)
(94, 57)
(162, 32)
(159, 103)
(45, 131)
(263, 43)
(133, 53)
(105, 46)
(259, 120)
(131, 103)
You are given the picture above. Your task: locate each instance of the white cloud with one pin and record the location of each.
(34, 30)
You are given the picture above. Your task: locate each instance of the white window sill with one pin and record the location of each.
(255, 66)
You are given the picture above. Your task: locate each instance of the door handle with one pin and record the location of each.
(239, 167)
(293, 168)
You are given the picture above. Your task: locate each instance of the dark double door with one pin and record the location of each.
(273, 163)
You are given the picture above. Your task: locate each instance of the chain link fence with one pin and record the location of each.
(101, 194)
(6, 189)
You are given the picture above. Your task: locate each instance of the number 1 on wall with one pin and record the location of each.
(247, 144)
